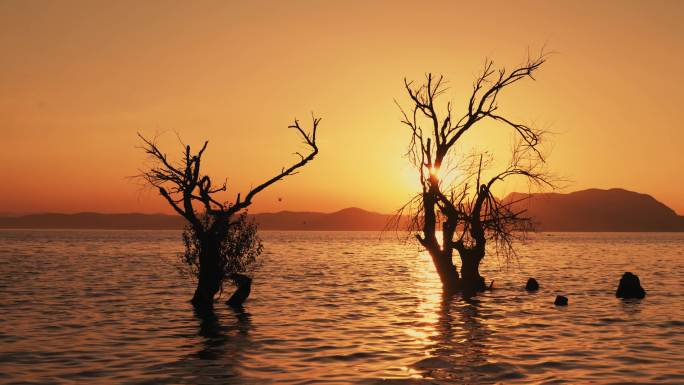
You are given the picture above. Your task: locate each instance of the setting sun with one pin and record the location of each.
(433, 171)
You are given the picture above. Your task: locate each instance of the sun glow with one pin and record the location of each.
(434, 171)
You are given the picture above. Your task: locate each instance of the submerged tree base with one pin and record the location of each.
(244, 287)
(203, 301)
(467, 288)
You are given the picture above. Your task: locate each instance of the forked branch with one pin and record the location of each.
(309, 139)
(182, 183)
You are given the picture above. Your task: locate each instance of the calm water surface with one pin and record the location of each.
(99, 307)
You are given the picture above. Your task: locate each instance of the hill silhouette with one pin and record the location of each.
(347, 219)
(597, 210)
(352, 218)
(586, 210)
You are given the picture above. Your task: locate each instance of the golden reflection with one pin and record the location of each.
(430, 289)
(458, 344)
(224, 340)
(449, 328)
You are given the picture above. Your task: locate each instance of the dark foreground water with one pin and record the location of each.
(100, 307)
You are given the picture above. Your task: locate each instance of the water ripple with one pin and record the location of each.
(337, 308)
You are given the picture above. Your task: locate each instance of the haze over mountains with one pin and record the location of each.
(587, 210)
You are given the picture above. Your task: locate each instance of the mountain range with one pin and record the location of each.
(597, 210)
(586, 210)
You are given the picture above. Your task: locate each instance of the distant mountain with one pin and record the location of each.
(347, 219)
(597, 210)
(587, 210)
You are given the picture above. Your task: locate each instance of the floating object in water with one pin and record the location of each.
(532, 285)
(561, 301)
(630, 287)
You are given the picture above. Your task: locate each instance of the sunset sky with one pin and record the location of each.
(78, 80)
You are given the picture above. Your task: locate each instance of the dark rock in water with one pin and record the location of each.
(244, 287)
(561, 301)
(532, 285)
(630, 287)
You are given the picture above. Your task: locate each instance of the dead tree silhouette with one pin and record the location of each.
(469, 213)
(221, 243)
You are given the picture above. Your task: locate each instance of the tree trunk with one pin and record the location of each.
(244, 287)
(446, 270)
(441, 255)
(471, 280)
(209, 280)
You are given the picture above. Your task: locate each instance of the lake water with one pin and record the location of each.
(100, 307)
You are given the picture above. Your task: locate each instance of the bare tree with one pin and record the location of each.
(221, 243)
(467, 210)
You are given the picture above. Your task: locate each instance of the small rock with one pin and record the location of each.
(532, 285)
(561, 301)
(630, 287)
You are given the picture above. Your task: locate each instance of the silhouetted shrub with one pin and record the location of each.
(239, 248)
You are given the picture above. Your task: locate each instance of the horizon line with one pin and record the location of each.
(8, 214)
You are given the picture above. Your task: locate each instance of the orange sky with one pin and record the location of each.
(79, 79)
